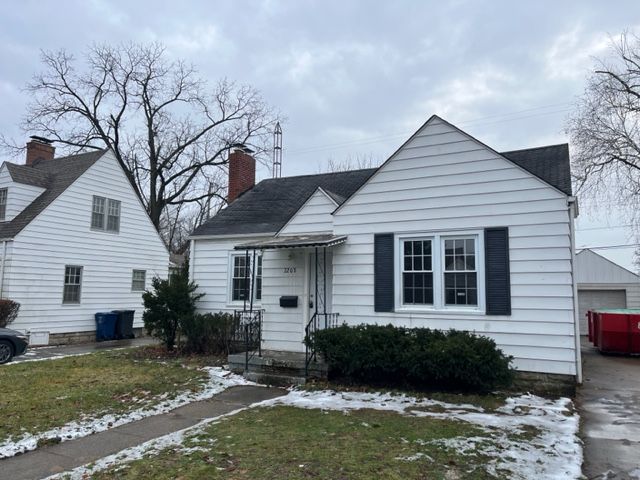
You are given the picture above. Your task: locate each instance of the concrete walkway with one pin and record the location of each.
(65, 456)
(42, 353)
(609, 404)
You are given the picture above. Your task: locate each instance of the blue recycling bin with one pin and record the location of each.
(106, 326)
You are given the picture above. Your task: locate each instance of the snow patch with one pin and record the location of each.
(219, 380)
(555, 452)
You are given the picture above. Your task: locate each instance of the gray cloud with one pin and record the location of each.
(360, 74)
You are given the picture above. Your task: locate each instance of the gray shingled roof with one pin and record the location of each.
(550, 163)
(267, 206)
(55, 176)
(271, 203)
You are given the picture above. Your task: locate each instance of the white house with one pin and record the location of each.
(446, 234)
(603, 284)
(75, 240)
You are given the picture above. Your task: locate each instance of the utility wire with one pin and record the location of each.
(377, 139)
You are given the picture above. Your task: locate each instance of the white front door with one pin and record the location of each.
(319, 295)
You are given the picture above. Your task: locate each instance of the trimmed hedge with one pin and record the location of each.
(209, 333)
(414, 357)
(8, 311)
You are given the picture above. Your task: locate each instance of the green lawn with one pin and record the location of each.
(38, 396)
(286, 442)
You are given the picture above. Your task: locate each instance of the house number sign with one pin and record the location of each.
(289, 269)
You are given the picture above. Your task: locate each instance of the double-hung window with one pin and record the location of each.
(72, 284)
(97, 213)
(138, 280)
(3, 203)
(460, 274)
(113, 215)
(241, 271)
(440, 271)
(417, 272)
(105, 214)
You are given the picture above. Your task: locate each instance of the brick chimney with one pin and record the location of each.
(39, 149)
(242, 172)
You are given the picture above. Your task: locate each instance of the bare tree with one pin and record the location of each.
(168, 128)
(605, 131)
(351, 162)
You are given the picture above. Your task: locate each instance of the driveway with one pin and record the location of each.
(609, 403)
(44, 353)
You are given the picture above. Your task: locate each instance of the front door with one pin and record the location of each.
(320, 286)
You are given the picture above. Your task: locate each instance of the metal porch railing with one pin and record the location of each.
(319, 321)
(248, 333)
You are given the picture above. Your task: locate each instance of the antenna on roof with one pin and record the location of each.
(277, 151)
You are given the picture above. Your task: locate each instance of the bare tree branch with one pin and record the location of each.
(170, 131)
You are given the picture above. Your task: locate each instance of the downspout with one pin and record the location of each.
(573, 213)
(192, 259)
(4, 256)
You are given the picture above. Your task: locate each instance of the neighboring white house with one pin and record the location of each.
(446, 234)
(603, 284)
(74, 240)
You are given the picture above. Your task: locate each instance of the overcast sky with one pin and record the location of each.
(356, 78)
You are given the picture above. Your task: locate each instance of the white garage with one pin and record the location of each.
(603, 284)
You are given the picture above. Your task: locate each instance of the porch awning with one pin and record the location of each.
(300, 241)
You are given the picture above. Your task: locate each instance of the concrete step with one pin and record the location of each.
(273, 379)
(281, 366)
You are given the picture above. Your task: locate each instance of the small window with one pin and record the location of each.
(97, 212)
(113, 216)
(460, 275)
(259, 277)
(239, 285)
(72, 284)
(138, 280)
(3, 204)
(417, 272)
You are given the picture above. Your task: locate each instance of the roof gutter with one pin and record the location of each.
(231, 235)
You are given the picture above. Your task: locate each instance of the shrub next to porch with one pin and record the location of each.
(416, 357)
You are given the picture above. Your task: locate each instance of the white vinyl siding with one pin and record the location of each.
(446, 181)
(19, 195)
(60, 236)
(138, 280)
(313, 217)
(210, 269)
(603, 283)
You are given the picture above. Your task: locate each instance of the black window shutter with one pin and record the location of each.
(384, 272)
(498, 282)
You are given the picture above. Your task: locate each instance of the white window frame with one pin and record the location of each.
(230, 300)
(4, 192)
(118, 206)
(102, 214)
(108, 202)
(64, 284)
(133, 280)
(438, 254)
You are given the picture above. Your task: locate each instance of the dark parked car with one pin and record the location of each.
(12, 344)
